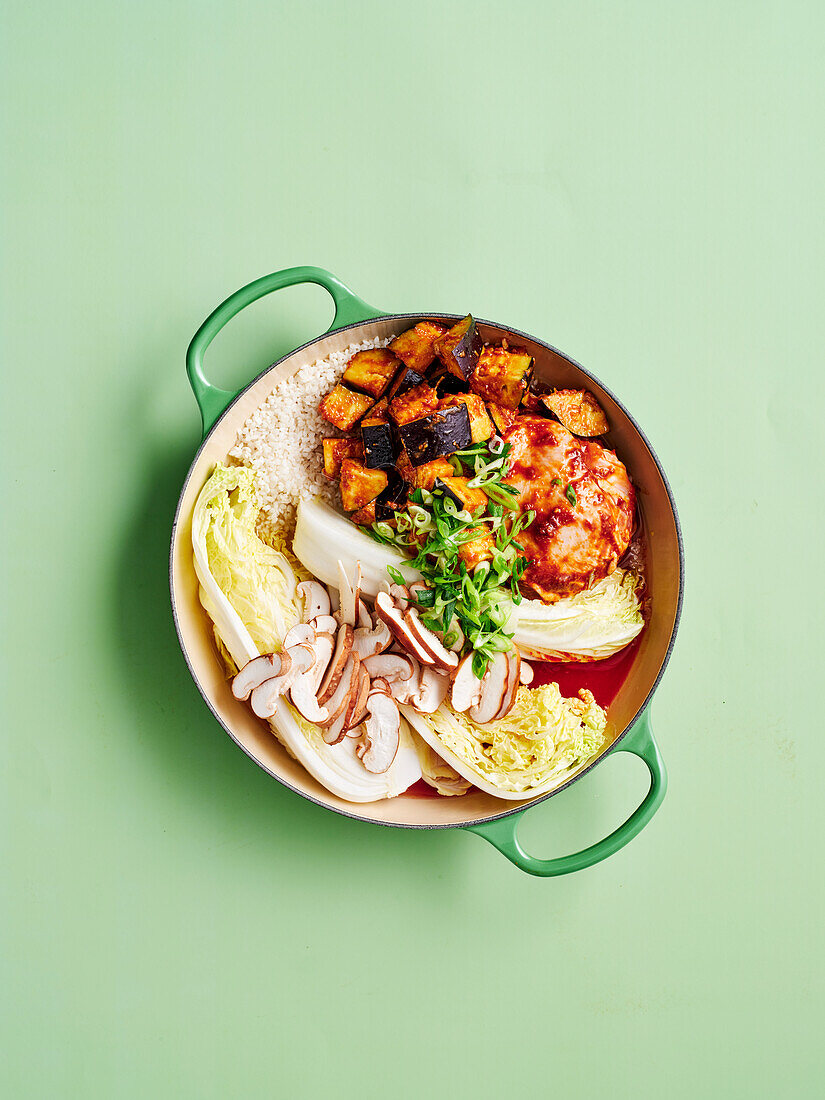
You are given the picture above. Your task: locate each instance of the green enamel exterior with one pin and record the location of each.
(212, 401)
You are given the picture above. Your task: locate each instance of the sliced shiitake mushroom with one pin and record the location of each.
(493, 689)
(382, 729)
(432, 690)
(401, 595)
(298, 661)
(341, 705)
(465, 688)
(394, 618)
(300, 634)
(512, 684)
(430, 642)
(343, 645)
(316, 600)
(325, 624)
(370, 641)
(525, 673)
(359, 711)
(257, 670)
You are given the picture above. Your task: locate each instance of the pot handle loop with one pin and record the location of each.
(503, 833)
(349, 309)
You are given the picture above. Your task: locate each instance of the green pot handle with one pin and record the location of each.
(349, 309)
(503, 833)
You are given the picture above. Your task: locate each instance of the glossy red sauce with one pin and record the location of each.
(603, 678)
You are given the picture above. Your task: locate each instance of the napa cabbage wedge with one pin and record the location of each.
(589, 626)
(544, 741)
(249, 591)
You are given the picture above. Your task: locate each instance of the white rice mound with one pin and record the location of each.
(281, 441)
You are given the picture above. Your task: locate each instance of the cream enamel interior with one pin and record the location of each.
(255, 737)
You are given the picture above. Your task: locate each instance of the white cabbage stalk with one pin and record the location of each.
(322, 536)
(541, 743)
(589, 626)
(262, 585)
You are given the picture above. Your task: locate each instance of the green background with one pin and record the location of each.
(641, 184)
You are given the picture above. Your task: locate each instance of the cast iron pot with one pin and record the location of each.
(496, 820)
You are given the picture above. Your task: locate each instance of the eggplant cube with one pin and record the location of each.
(502, 417)
(578, 411)
(417, 402)
(405, 380)
(416, 346)
(336, 450)
(501, 375)
(343, 407)
(359, 485)
(391, 500)
(481, 427)
(460, 348)
(425, 477)
(372, 370)
(440, 433)
(379, 445)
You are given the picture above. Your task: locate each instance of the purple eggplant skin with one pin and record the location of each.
(443, 487)
(380, 449)
(460, 348)
(392, 499)
(440, 433)
(406, 379)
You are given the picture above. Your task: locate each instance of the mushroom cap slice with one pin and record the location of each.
(325, 624)
(382, 729)
(303, 698)
(300, 634)
(372, 640)
(257, 670)
(264, 699)
(316, 600)
(395, 620)
(432, 690)
(444, 658)
(364, 617)
(493, 688)
(359, 711)
(323, 647)
(525, 672)
(390, 666)
(513, 680)
(401, 595)
(465, 689)
(343, 645)
(342, 704)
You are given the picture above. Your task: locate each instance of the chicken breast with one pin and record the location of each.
(584, 505)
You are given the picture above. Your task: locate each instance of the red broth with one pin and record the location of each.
(603, 678)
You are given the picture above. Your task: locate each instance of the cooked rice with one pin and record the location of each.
(281, 442)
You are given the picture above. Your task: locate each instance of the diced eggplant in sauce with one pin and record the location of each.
(415, 403)
(460, 348)
(502, 375)
(336, 450)
(406, 378)
(481, 426)
(458, 489)
(372, 370)
(392, 499)
(379, 444)
(502, 417)
(416, 346)
(359, 485)
(424, 477)
(343, 407)
(440, 433)
(578, 411)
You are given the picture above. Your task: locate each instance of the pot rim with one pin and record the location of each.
(518, 807)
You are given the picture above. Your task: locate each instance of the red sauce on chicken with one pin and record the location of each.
(584, 504)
